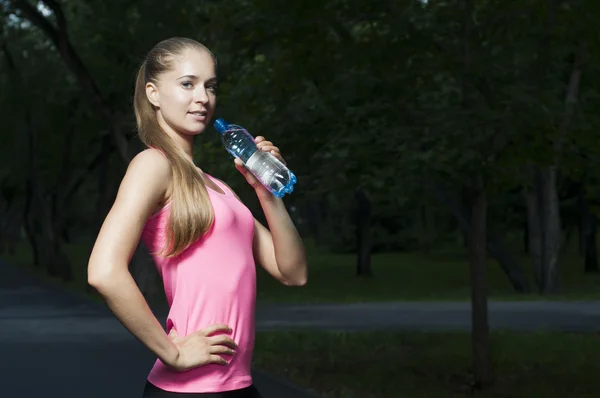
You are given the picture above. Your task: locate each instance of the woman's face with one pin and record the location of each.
(185, 95)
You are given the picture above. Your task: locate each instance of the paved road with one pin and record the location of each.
(55, 344)
(432, 316)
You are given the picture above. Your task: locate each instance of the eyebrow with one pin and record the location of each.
(194, 77)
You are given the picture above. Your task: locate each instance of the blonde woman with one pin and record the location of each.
(205, 242)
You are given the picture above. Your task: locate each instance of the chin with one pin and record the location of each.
(195, 130)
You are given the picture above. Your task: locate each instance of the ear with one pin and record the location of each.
(152, 94)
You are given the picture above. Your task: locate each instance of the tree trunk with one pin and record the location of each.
(526, 234)
(105, 193)
(545, 232)
(551, 231)
(588, 237)
(29, 222)
(477, 238)
(543, 202)
(482, 367)
(581, 202)
(363, 233)
(59, 200)
(534, 232)
(10, 217)
(44, 232)
(495, 244)
(53, 257)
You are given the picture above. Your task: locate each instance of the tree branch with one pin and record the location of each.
(58, 13)
(36, 18)
(61, 41)
(571, 98)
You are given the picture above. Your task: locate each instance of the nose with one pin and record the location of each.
(200, 95)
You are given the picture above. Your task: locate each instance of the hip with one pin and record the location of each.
(151, 391)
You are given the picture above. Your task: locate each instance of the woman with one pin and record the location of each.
(204, 241)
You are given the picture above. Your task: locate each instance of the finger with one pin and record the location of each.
(258, 139)
(221, 349)
(264, 144)
(240, 166)
(218, 360)
(218, 327)
(269, 148)
(173, 333)
(243, 169)
(223, 340)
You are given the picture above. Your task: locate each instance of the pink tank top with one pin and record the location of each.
(213, 281)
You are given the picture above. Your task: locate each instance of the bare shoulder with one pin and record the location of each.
(148, 177)
(142, 189)
(150, 161)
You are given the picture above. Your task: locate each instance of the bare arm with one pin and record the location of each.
(280, 251)
(144, 186)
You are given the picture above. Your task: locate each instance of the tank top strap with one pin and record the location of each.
(225, 188)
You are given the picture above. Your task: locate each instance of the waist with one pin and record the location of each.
(190, 382)
(208, 378)
(239, 314)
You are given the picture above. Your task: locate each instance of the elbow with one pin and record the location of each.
(96, 279)
(99, 277)
(297, 280)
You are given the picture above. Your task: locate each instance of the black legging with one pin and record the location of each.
(151, 391)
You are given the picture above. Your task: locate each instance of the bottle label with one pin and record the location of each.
(252, 163)
(262, 164)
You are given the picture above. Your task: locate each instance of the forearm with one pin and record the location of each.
(125, 300)
(288, 247)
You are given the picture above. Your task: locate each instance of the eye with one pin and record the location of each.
(187, 84)
(212, 87)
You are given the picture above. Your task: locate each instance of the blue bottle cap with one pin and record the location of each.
(221, 125)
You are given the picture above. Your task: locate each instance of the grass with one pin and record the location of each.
(78, 255)
(436, 365)
(415, 277)
(409, 364)
(397, 277)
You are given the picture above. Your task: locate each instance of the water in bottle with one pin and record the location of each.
(273, 174)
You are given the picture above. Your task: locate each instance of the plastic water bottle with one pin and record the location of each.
(271, 173)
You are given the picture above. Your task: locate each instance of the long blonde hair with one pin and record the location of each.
(191, 213)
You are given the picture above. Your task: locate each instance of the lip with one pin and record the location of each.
(200, 118)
